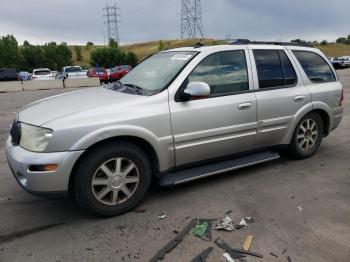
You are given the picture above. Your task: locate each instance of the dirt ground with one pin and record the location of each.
(301, 209)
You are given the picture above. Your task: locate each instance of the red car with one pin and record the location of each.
(118, 72)
(100, 72)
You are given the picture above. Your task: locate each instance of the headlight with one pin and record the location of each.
(34, 138)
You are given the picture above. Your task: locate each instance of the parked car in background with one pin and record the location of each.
(24, 75)
(72, 72)
(118, 72)
(42, 74)
(54, 73)
(8, 74)
(99, 72)
(341, 62)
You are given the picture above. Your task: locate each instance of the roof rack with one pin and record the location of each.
(248, 42)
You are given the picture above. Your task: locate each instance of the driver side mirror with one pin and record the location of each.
(196, 90)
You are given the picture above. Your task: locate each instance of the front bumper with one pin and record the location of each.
(47, 182)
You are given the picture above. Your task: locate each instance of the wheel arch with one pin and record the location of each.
(140, 142)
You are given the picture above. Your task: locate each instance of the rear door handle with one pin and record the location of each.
(245, 106)
(299, 98)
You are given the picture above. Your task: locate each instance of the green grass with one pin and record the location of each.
(143, 50)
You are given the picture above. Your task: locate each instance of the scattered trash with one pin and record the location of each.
(229, 212)
(200, 228)
(225, 224)
(289, 259)
(273, 254)
(228, 257)
(162, 216)
(243, 223)
(284, 251)
(175, 232)
(249, 220)
(203, 255)
(139, 210)
(248, 242)
(300, 209)
(234, 251)
(174, 242)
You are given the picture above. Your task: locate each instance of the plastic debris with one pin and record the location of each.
(162, 216)
(203, 255)
(173, 243)
(228, 257)
(139, 210)
(235, 252)
(243, 223)
(225, 224)
(200, 228)
(248, 242)
(249, 220)
(300, 209)
(273, 254)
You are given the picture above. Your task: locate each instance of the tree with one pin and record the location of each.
(131, 59)
(9, 52)
(341, 40)
(324, 42)
(161, 45)
(107, 57)
(31, 57)
(112, 43)
(89, 44)
(78, 53)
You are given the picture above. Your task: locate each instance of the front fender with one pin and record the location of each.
(162, 146)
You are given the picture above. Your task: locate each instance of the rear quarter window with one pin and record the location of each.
(315, 67)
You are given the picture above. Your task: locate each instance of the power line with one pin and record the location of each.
(191, 19)
(111, 19)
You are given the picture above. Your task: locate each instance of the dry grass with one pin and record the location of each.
(143, 50)
(332, 50)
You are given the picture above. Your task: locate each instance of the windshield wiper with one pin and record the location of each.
(134, 87)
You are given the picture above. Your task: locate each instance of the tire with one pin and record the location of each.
(98, 173)
(304, 144)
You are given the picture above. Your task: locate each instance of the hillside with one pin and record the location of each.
(143, 50)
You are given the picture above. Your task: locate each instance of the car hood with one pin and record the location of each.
(49, 109)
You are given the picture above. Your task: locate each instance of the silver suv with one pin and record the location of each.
(180, 115)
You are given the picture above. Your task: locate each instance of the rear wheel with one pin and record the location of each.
(307, 136)
(112, 179)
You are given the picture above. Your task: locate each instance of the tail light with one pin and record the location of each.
(34, 77)
(341, 97)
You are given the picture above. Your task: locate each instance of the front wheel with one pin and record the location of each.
(112, 179)
(307, 136)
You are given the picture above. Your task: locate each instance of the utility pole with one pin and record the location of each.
(111, 19)
(191, 19)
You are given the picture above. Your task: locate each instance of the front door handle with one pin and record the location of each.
(245, 106)
(299, 98)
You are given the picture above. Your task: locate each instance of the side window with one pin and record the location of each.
(274, 69)
(225, 72)
(315, 67)
(290, 77)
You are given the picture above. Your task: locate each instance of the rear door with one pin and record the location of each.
(225, 122)
(280, 94)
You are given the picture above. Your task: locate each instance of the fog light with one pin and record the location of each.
(43, 168)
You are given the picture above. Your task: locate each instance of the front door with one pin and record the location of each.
(225, 122)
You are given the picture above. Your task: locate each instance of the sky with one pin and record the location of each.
(80, 21)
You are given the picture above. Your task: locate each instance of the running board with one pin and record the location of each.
(194, 173)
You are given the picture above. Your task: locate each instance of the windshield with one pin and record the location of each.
(157, 71)
(73, 69)
(42, 72)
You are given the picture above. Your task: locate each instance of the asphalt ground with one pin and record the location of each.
(301, 209)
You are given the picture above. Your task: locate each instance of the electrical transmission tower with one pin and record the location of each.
(191, 19)
(111, 19)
